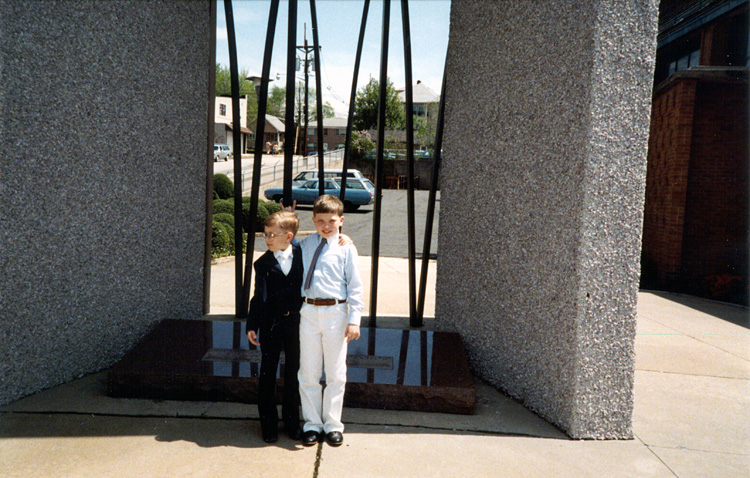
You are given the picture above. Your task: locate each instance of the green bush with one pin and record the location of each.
(260, 216)
(221, 240)
(225, 218)
(272, 207)
(224, 206)
(223, 186)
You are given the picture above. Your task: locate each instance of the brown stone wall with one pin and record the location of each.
(666, 182)
(695, 237)
(715, 240)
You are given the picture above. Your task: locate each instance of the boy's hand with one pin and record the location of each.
(292, 207)
(253, 337)
(345, 240)
(352, 332)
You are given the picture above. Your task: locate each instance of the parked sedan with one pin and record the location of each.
(357, 193)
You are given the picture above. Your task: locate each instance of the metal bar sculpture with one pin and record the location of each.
(416, 301)
(291, 80)
(237, 153)
(379, 163)
(352, 99)
(437, 158)
(318, 99)
(258, 157)
(409, 97)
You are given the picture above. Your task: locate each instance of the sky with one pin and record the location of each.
(339, 22)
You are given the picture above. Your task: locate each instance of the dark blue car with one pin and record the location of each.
(358, 192)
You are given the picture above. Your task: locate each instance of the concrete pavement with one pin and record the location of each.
(690, 420)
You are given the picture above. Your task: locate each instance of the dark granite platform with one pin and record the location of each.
(213, 360)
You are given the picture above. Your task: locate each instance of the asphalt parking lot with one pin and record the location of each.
(393, 224)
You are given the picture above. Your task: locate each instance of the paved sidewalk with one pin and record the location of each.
(691, 420)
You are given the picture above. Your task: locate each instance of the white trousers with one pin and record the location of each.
(322, 344)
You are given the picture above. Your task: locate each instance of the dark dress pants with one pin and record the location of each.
(282, 336)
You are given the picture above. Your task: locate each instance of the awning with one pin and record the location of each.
(242, 129)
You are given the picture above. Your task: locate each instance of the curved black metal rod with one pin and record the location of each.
(318, 99)
(379, 163)
(259, 133)
(409, 96)
(352, 99)
(291, 80)
(236, 123)
(437, 158)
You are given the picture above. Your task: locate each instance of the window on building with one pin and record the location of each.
(223, 110)
(341, 132)
(419, 110)
(685, 61)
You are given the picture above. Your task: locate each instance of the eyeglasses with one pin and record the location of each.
(271, 235)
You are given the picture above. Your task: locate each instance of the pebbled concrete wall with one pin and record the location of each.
(103, 109)
(541, 205)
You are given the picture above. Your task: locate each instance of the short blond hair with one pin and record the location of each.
(328, 204)
(284, 220)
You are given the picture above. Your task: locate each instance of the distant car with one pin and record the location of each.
(221, 151)
(358, 192)
(372, 154)
(422, 155)
(309, 174)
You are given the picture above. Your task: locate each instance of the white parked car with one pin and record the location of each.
(309, 174)
(221, 151)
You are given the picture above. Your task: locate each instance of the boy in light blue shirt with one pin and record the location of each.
(332, 306)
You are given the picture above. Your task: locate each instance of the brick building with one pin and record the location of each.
(334, 134)
(695, 236)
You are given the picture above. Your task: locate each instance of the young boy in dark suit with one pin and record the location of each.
(274, 311)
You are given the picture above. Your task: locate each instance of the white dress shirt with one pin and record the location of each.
(336, 274)
(285, 259)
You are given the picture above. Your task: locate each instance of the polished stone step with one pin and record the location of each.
(213, 360)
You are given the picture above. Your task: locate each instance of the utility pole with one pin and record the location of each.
(307, 49)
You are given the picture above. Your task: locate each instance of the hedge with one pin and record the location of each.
(223, 186)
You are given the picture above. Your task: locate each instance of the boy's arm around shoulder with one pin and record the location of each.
(354, 287)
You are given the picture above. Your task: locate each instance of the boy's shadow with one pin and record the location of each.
(210, 433)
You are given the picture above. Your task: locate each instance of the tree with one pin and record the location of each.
(366, 107)
(277, 103)
(425, 128)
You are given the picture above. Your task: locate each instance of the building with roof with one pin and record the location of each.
(274, 130)
(223, 122)
(334, 134)
(695, 236)
(425, 101)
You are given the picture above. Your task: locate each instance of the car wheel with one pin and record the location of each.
(350, 207)
(216, 158)
(277, 198)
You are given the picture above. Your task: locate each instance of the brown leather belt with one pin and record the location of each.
(324, 302)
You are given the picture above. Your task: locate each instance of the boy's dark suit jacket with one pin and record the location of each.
(274, 310)
(275, 294)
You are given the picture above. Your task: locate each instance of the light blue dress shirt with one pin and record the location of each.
(336, 274)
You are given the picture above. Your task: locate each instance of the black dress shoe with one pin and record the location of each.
(310, 438)
(335, 438)
(270, 437)
(295, 434)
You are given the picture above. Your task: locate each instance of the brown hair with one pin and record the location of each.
(285, 220)
(328, 204)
